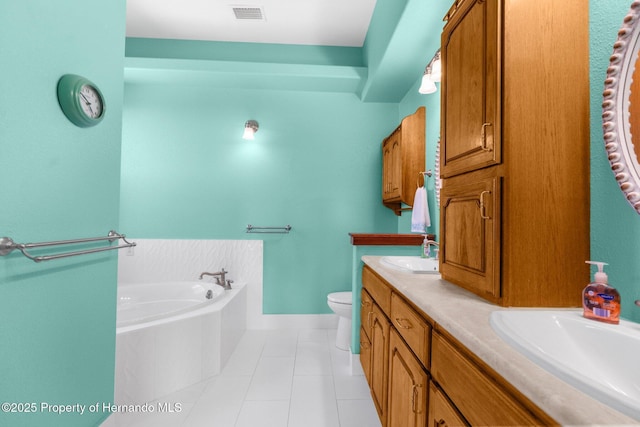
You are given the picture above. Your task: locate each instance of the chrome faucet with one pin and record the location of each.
(220, 278)
(433, 243)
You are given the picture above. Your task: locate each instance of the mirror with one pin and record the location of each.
(621, 108)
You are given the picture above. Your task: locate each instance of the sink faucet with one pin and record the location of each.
(220, 278)
(430, 243)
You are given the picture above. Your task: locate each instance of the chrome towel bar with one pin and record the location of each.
(7, 245)
(280, 230)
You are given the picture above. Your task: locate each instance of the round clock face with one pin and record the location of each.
(90, 101)
(80, 100)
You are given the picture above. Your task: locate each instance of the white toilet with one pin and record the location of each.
(340, 303)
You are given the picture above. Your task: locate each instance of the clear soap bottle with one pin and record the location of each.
(599, 300)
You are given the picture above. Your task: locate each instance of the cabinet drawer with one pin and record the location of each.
(412, 327)
(379, 291)
(441, 412)
(477, 395)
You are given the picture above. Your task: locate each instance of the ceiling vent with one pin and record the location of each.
(248, 13)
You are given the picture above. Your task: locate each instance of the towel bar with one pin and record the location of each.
(268, 230)
(7, 245)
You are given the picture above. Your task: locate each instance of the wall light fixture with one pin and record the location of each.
(250, 128)
(432, 74)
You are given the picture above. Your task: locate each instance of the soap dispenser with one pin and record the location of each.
(601, 301)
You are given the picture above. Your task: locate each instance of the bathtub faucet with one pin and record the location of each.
(220, 278)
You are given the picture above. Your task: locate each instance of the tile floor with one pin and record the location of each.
(275, 378)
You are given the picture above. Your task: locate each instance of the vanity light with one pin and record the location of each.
(250, 128)
(436, 67)
(432, 74)
(427, 86)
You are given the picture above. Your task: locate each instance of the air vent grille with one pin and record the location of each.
(253, 13)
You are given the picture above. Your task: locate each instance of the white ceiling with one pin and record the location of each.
(305, 22)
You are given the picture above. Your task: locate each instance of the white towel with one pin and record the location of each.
(420, 218)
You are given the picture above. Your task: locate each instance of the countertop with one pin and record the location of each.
(466, 317)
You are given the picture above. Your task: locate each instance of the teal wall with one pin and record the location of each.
(315, 164)
(408, 105)
(57, 326)
(615, 227)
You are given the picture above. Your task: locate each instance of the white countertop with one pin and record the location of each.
(466, 317)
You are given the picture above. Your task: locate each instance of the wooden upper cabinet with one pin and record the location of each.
(470, 248)
(403, 158)
(515, 144)
(391, 168)
(470, 90)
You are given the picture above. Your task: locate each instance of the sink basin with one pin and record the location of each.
(599, 359)
(411, 264)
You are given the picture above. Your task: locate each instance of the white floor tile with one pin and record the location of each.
(264, 414)
(313, 358)
(275, 378)
(358, 413)
(313, 335)
(351, 387)
(218, 413)
(281, 343)
(313, 402)
(227, 387)
(272, 380)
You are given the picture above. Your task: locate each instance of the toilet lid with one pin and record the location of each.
(340, 297)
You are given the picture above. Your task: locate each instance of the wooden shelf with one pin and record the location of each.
(370, 239)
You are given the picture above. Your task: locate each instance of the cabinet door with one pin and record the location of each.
(470, 233)
(408, 384)
(470, 133)
(365, 354)
(441, 412)
(391, 168)
(366, 311)
(379, 361)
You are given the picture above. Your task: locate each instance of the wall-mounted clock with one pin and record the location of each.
(80, 100)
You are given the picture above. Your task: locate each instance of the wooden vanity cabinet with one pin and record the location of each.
(403, 157)
(379, 361)
(515, 150)
(481, 397)
(441, 412)
(422, 376)
(366, 311)
(408, 386)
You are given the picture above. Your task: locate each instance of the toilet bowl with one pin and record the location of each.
(340, 303)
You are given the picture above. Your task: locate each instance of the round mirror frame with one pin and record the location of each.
(615, 107)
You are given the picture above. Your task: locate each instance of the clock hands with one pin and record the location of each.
(88, 103)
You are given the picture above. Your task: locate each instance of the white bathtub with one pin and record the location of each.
(141, 303)
(170, 336)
